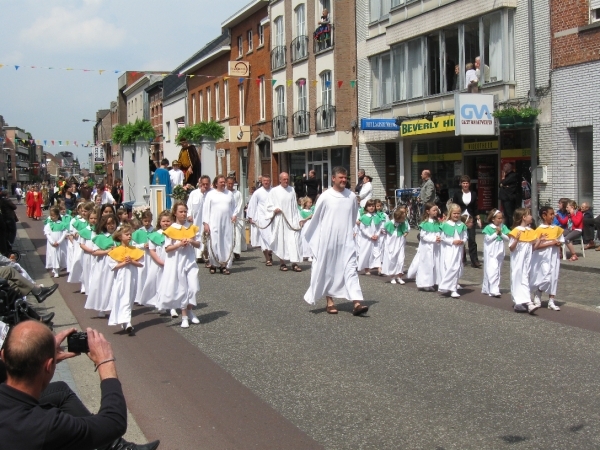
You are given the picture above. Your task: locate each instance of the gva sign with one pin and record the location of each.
(474, 114)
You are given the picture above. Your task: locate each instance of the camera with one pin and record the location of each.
(78, 342)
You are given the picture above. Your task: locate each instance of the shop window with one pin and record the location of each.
(341, 157)
(452, 60)
(492, 60)
(399, 71)
(585, 160)
(297, 166)
(379, 9)
(442, 157)
(415, 72)
(381, 80)
(433, 64)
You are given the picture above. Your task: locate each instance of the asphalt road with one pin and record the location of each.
(266, 370)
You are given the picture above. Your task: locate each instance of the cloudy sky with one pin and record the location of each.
(91, 34)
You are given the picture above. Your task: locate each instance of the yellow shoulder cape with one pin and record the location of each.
(526, 236)
(120, 253)
(183, 233)
(552, 233)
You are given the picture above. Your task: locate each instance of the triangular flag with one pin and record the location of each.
(192, 76)
(179, 75)
(100, 71)
(31, 141)
(302, 82)
(75, 142)
(68, 68)
(241, 80)
(134, 73)
(88, 143)
(86, 70)
(352, 84)
(67, 142)
(273, 82)
(289, 82)
(52, 142)
(117, 71)
(328, 84)
(258, 80)
(60, 143)
(315, 82)
(33, 67)
(17, 67)
(225, 78)
(340, 83)
(45, 141)
(37, 142)
(1, 66)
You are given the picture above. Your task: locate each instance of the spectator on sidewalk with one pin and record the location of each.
(366, 191)
(24, 286)
(9, 216)
(117, 193)
(313, 185)
(574, 233)
(427, 188)
(509, 195)
(361, 177)
(589, 226)
(18, 194)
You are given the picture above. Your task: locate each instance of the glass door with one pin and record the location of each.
(484, 172)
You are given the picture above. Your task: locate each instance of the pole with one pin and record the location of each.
(533, 102)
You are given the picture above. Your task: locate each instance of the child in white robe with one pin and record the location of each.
(179, 284)
(369, 230)
(378, 250)
(72, 235)
(395, 232)
(139, 239)
(99, 292)
(158, 255)
(425, 266)
(495, 235)
(77, 224)
(453, 238)
(124, 261)
(521, 241)
(306, 210)
(86, 236)
(545, 260)
(56, 247)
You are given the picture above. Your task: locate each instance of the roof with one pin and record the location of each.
(251, 8)
(206, 53)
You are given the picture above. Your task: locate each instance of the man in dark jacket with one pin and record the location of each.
(510, 188)
(313, 185)
(361, 177)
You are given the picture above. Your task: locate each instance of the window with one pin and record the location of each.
(492, 49)
(594, 10)
(280, 98)
(226, 97)
(279, 32)
(300, 20)
(250, 44)
(414, 79)
(326, 93)
(398, 3)
(201, 105)
(381, 80)
(168, 132)
(208, 104)
(399, 70)
(241, 101)
(302, 100)
(379, 9)
(240, 46)
(325, 4)
(262, 98)
(454, 76)
(433, 64)
(261, 35)
(217, 103)
(470, 44)
(193, 109)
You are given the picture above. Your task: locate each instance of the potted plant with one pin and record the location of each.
(506, 116)
(129, 133)
(526, 117)
(195, 133)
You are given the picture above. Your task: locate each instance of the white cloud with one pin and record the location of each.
(65, 30)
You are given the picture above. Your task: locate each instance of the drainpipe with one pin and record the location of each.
(533, 102)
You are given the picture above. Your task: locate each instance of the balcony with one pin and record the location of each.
(301, 123)
(325, 118)
(323, 38)
(280, 127)
(278, 57)
(299, 48)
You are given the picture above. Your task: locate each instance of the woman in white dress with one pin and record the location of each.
(99, 292)
(453, 237)
(124, 261)
(179, 284)
(521, 241)
(395, 241)
(495, 235)
(369, 230)
(55, 231)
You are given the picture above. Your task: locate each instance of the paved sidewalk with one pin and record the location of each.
(77, 372)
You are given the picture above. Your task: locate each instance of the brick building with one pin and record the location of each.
(18, 155)
(314, 89)
(574, 162)
(4, 152)
(412, 58)
(155, 100)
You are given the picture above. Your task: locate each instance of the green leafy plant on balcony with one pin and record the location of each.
(131, 132)
(511, 117)
(195, 133)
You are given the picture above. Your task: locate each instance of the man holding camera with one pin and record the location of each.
(29, 421)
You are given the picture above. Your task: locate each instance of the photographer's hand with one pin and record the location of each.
(101, 351)
(61, 355)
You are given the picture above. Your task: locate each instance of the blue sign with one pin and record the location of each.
(468, 111)
(379, 124)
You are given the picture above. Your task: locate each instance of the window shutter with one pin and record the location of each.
(594, 4)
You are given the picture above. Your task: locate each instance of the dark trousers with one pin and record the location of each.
(11, 231)
(471, 233)
(509, 210)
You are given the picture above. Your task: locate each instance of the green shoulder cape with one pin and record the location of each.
(400, 229)
(450, 229)
(367, 220)
(156, 238)
(86, 233)
(140, 236)
(430, 227)
(58, 226)
(103, 241)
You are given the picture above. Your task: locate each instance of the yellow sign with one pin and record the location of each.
(487, 145)
(239, 69)
(437, 157)
(239, 133)
(424, 126)
(516, 153)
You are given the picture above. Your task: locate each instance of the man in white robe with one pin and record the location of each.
(195, 204)
(258, 215)
(330, 236)
(218, 217)
(285, 228)
(240, 232)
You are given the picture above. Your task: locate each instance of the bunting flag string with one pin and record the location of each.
(52, 142)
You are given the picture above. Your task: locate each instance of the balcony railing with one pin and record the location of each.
(323, 38)
(325, 118)
(299, 48)
(280, 127)
(301, 123)
(278, 57)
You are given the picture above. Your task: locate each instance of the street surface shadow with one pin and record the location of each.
(576, 428)
(512, 439)
(211, 317)
(150, 323)
(345, 307)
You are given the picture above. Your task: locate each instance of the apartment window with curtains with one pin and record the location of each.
(262, 95)
(250, 41)
(217, 103)
(241, 102)
(379, 9)
(193, 109)
(326, 97)
(208, 104)
(201, 106)
(240, 46)
(226, 97)
(261, 34)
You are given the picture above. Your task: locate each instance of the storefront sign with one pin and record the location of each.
(379, 124)
(99, 154)
(239, 69)
(486, 184)
(239, 133)
(424, 126)
(437, 157)
(474, 114)
(475, 146)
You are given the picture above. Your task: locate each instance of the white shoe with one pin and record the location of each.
(552, 306)
(185, 323)
(455, 295)
(531, 308)
(192, 317)
(129, 327)
(400, 281)
(101, 314)
(174, 314)
(310, 259)
(458, 286)
(393, 281)
(537, 301)
(55, 273)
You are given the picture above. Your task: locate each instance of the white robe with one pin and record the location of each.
(429, 260)
(368, 249)
(217, 212)
(254, 231)
(257, 211)
(142, 271)
(176, 177)
(100, 289)
(306, 253)
(76, 269)
(393, 252)
(86, 262)
(56, 257)
(285, 241)
(451, 260)
(545, 267)
(154, 275)
(179, 284)
(122, 293)
(330, 237)
(493, 257)
(520, 265)
(240, 230)
(195, 204)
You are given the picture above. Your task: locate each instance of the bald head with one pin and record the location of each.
(28, 346)
(284, 179)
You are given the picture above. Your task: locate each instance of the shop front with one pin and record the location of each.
(320, 160)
